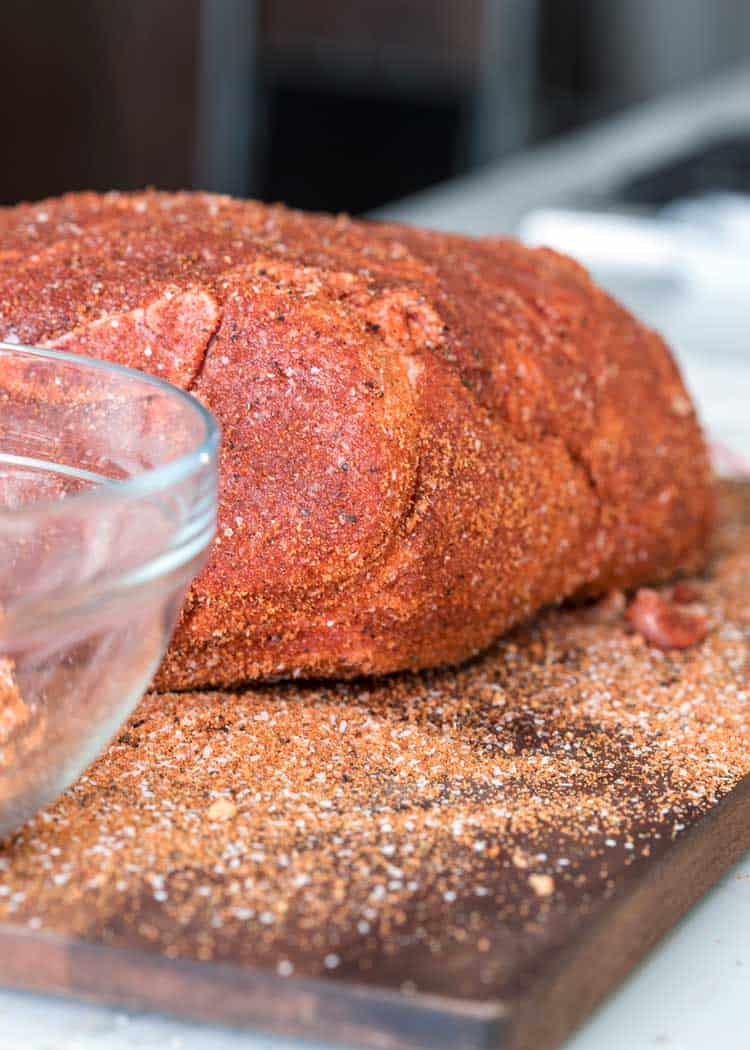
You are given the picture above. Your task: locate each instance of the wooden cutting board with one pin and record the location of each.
(468, 858)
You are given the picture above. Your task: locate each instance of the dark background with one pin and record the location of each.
(333, 104)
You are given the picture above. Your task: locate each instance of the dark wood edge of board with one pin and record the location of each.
(306, 1007)
(624, 933)
(240, 996)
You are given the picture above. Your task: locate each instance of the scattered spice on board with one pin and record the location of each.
(401, 826)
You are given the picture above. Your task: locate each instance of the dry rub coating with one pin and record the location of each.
(426, 436)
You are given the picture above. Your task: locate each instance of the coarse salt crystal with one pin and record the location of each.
(542, 885)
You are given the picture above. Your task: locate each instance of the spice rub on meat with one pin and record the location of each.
(426, 437)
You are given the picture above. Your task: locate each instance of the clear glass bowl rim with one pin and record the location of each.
(157, 478)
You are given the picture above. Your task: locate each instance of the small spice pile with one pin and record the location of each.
(441, 831)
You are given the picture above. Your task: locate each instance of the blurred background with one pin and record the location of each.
(616, 130)
(331, 104)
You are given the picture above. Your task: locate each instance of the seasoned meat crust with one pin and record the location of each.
(426, 436)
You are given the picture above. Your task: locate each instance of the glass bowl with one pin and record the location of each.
(107, 507)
